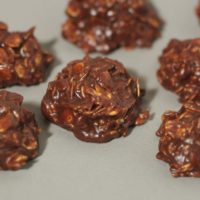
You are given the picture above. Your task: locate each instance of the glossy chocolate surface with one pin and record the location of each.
(96, 99)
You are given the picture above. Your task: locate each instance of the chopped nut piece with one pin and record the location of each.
(180, 140)
(13, 40)
(6, 122)
(20, 70)
(98, 104)
(113, 113)
(142, 118)
(22, 61)
(103, 26)
(79, 67)
(67, 116)
(180, 68)
(18, 132)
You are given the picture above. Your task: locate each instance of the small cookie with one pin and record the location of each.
(96, 99)
(180, 140)
(105, 25)
(18, 132)
(22, 61)
(180, 68)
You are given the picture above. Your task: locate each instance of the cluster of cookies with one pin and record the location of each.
(96, 98)
(179, 132)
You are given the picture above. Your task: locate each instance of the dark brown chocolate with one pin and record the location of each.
(180, 68)
(18, 132)
(22, 61)
(180, 140)
(105, 25)
(96, 99)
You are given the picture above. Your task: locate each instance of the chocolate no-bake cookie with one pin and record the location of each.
(104, 25)
(22, 61)
(96, 99)
(180, 140)
(18, 132)
(180, 68)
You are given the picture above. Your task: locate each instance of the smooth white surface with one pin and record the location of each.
(124, 169)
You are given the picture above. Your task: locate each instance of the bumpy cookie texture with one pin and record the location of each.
(96, 99)
(105, 25)
(180, 68)
(22, 61)
(180, 140)
(18, 132)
